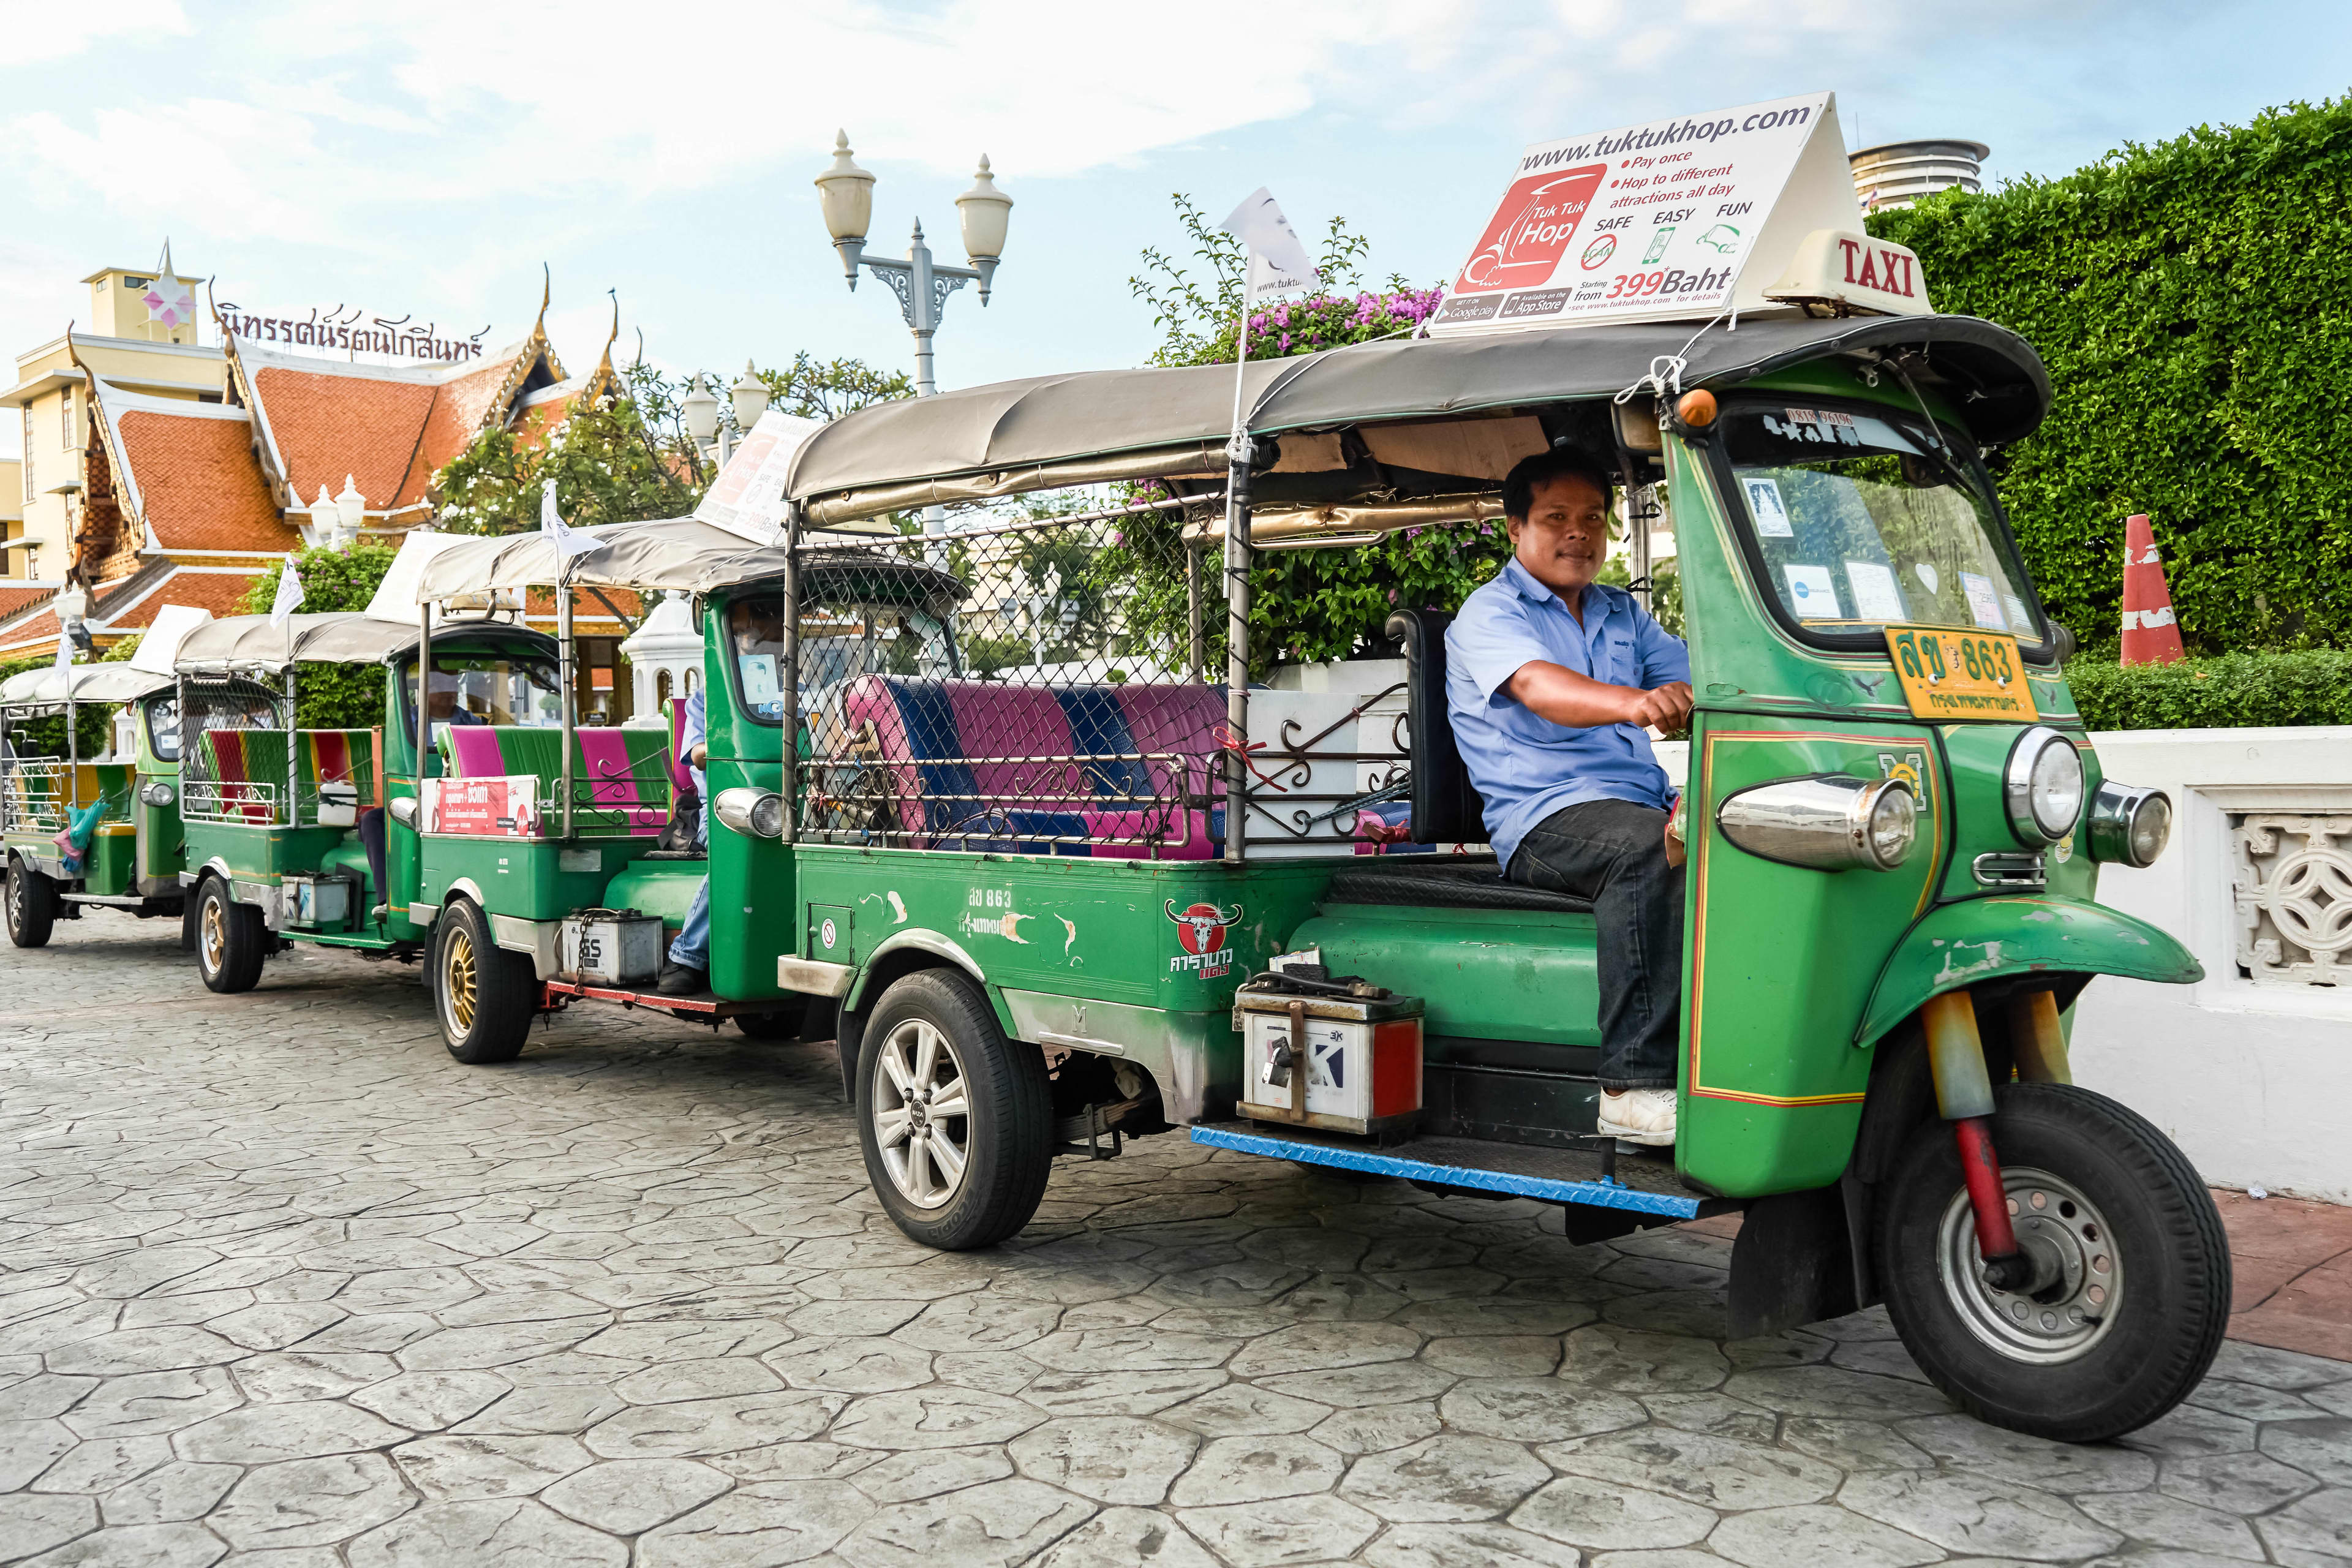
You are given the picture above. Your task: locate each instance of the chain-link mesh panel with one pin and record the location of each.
(232, 759)
(1051, 684)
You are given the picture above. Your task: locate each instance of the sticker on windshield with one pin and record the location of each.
(1811, 594)
(1982, 601)
(1876, 595)
(1765, 506)
(2020, 619)
(759, 686)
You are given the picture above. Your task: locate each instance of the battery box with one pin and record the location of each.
(1341, 1063)
(610, 947)
(314, 902)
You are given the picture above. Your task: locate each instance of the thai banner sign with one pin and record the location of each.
(748, 497)
(1680, 217)
(482, 809)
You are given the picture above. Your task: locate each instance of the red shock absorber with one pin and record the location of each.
(1980, 1168)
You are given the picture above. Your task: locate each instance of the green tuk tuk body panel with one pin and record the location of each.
(1969, 942)
(1482, 975)
(754, 882)
(529, 878)
(663, 887)
(260, 853)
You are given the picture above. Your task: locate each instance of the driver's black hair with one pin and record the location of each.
(1558, 463)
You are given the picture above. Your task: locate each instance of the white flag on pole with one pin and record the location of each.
(65, 651)
(1278, 263)
(289, 594)
(567, 543)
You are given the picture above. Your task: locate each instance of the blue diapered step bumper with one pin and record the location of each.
(1553, 1175)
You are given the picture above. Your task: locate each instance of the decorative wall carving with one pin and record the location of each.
(2292, 879)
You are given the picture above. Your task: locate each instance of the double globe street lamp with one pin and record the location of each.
(699, 410)
(922, 285)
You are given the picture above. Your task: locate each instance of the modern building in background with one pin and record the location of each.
(159, 468)
(1897, 174)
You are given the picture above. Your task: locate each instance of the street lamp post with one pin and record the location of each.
(699, 410)
(922, 285)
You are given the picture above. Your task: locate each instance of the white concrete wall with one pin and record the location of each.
(2252, 1078)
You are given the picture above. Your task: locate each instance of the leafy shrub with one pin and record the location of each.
(2234, 690)
(332, 695)
(2193, 301)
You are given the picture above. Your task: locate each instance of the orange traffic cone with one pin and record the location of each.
(2150, 633)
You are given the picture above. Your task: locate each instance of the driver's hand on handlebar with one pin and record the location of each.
(1668, 707)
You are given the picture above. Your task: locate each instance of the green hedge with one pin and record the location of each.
(2193, 301)
(2232, 691)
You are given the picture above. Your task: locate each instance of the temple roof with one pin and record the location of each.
(184, 473)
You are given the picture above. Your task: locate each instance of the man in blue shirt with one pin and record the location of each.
(1550, 681)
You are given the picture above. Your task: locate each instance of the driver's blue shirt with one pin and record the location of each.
(1525, 766)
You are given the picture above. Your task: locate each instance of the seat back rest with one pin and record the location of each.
(1447, 808)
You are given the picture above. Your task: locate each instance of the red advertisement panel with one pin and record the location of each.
(1531, 230)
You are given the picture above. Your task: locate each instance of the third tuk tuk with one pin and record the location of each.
(1081, 850)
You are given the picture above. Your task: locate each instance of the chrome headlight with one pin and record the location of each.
(159, 793)
(404, 811)
(1831, 822)
(2129, 825)
(2042, 787)
(755, 813)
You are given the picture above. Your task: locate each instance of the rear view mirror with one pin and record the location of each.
(1637, 426)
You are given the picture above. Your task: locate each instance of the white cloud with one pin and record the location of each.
(38, 32)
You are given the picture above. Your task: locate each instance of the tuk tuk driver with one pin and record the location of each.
(1551, 679)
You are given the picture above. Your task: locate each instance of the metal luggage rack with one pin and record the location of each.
(26, 808)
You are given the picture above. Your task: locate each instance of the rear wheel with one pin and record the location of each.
(956, 1121)
(32, 906)
(783, 1023)
(484, 996)
(231, 940)
(2130, 1292)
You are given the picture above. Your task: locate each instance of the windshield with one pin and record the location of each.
(217, 708)
(839, 641)
(1862, 519)
(485, 689)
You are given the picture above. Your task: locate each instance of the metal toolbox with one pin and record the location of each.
(1342, 1063)
(611, 947)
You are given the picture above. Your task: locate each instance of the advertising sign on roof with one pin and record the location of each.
(1685, 217)
(747, 499)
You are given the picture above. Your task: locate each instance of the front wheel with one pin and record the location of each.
(231, 940)
(2130, 1292)
(32, 906)
(484, 996)
(956, 1121)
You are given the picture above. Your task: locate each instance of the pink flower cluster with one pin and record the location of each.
(1328, 321)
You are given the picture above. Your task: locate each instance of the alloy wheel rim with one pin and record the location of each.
(2078, 1270)
(922, 1113)
(211, 935)
(457, 981)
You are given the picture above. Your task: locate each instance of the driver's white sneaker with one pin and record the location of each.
(1639, 1115)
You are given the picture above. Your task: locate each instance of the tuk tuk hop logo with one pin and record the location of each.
(1201, 932)
(1531, 230)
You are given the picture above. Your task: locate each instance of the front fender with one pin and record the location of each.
(1977, 939)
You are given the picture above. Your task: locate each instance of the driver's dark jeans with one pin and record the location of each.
(1613, 853)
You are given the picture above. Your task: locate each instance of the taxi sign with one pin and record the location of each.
(1960, 675)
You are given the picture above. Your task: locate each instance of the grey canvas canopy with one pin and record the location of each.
(1050, 431)
(680, 553)
(251, 643)
(91, 683)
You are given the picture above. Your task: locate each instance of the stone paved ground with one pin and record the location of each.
(280, 1283)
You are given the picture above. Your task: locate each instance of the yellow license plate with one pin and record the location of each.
(1960, 675)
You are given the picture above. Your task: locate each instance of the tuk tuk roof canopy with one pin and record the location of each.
(250, 642)
(680, 553)
(1049, 431)
(91, 683)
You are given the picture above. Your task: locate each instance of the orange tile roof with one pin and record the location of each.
(35, 634)
(328, 426)
(215, 591)
(196, 482)
(537, 421)
(15, 599)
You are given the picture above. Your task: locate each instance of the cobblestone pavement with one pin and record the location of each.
(280, 1283)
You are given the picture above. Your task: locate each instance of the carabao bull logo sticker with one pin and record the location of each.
(1200, 930)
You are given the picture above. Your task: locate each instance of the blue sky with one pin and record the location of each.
(428, 157)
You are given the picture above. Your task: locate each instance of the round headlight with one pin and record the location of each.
(768, 817)
(157, 793)
(2042, 787)
(2151, 828)
(2129, 825)
(1893, 820)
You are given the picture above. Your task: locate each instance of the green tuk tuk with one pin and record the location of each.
(1033, 840)
(82, 832)
(298, 834)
